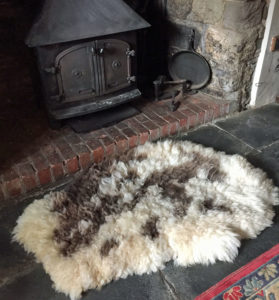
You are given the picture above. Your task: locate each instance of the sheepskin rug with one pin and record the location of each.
(164, 201)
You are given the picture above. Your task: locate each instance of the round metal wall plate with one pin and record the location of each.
(190, 66)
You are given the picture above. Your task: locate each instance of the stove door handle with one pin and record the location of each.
(97, 51)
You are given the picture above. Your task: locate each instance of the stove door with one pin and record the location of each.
(115, 65)
(75, 75)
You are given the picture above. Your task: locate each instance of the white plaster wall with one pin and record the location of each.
(265, 87)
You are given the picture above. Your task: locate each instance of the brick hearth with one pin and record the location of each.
(34, 157)
(56, 155)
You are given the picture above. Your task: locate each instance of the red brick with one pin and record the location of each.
(51, 154)
(169, 118)
(173, 127)
(160, 108)
(72, 165)
(141, 130)
(143, 138)
(55, 161)
(106, 140)
(2, 193)
(121, 125)
(13, 187)
(209, 112)
(85, 160)
(9, 175)
(44, 176)
(182, 119)
(98, 154)
(28, 176)
(192, 117)
(200, 113)
(70, 159)
(165, 130)
(214, 106)
(80, 149)
(120, 140)
(64, 148)
(42, 167)
(160, 122)
(132, 137)
(96, 148)
(57, 170)
(142, 118)
(12, 183)
(217, 111)
(154, 130)
(84, 155)
(156, 119)
(201, 117)
(72, 138)
(109, 150)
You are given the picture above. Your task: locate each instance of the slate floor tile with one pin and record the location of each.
(258, 127)
(268, 160)
(145, 287)
(37, 286)
(211, 136)
(13, 259)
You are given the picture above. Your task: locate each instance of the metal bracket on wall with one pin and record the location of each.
(274, 44)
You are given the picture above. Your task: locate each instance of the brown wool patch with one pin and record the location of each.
(150, 228)
(142, 156)
(76, 205)
(132, 174)
(181, 207)
(107, 246)
(173, 191)
(209, 205)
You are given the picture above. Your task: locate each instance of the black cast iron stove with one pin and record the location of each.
(86, 55)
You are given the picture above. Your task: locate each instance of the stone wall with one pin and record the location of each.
(229, 33)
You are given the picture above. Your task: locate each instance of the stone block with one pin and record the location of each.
(229, 48)
(179, 8)
(230, 81)
(208, 12)
(233, 96)
(242, 15)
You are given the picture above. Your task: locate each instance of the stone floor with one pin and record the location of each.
(253, 134)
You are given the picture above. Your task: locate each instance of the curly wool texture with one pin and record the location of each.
(166, 201)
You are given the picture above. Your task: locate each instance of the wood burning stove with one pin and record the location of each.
(86, 52)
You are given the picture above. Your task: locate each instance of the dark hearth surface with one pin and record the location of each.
(102, 119)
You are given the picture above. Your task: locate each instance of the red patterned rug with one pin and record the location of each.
(257, 280)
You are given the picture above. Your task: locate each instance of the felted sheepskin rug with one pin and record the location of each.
(164, 201)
